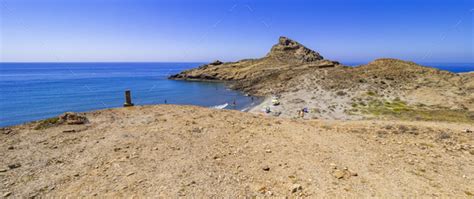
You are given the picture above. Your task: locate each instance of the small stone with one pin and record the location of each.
(6, 131)
(268, 151)
(354, 173)
(7, 194)
(296, 187)
(131, 173)
(11, 147)
(467, 131)
(338, 174)
(191, 183)
(3, 170)
(333, 165)
(69, 131)
(266, 168)
(14, 166)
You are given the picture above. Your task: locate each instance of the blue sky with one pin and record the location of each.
(229, 30)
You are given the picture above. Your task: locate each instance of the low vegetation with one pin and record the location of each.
(401, 110)
(44, 124)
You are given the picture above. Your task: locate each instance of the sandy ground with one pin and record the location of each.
(320, 105)
(175, 151)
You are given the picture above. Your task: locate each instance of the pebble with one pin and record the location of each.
(268, 151)
(3, 170)
(266, 168)
(14, 166)
(296, 187)
(11, 147)
(7, 194)
(338, 174)
(354, 173)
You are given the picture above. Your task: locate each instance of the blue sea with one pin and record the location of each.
(33, 91)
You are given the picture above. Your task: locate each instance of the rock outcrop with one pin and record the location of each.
(292, 70)
(285, 56)
(288, 50)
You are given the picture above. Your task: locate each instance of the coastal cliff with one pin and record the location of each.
(302, 78)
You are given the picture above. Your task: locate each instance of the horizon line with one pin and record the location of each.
(58, 62)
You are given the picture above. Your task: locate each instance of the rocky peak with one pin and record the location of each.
(215, 63)
(290, 50)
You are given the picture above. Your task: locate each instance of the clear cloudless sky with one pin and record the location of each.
(228, 30)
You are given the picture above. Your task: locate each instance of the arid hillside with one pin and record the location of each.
(185, 151)
(384, 88)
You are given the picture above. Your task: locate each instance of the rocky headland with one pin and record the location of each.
(384, 88)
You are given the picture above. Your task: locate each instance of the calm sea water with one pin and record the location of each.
(33, 91)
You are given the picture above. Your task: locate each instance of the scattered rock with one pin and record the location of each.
(215, 63)
(443, 135)
(297, 101)
(69, 131)
(268, 151)
(266, 168)
(191, 183)
(6, 130)
(11, 147)
(72, 118)
(338, 174)
(341, 93)
(197, 130)
(3, 170)
(14, 166)
(276, 113)
(467, 131)
(353, 173)
(296, 187)
(7, 194)
(345, 173)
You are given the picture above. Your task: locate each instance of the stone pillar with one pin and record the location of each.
(128, 99)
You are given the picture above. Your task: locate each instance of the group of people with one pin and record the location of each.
(301, 112)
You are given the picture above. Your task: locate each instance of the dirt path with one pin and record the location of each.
(189, 151)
